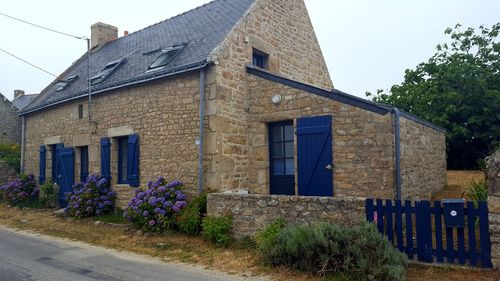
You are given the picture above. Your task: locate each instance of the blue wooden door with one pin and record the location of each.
(66, 172)
(282, 158)
(314, 156)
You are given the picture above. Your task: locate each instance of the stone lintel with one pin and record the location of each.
(81, 140)
(120, 131)
(52, 140)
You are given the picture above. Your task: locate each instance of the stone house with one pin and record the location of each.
(11, 125)
(272, 123)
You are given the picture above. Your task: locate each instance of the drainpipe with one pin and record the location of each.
(397, 152)
(202, 130)
(23, 143)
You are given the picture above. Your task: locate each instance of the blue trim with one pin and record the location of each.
(122, 179)
(333, 95)
(84, 163)
(339, 96)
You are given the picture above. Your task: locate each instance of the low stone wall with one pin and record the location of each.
(252, 212)
(493, 176)
(7, 173)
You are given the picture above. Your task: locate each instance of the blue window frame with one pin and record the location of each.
(282, 150)
(84, 163)
(123, 160)
(259, 58)
(53, 162)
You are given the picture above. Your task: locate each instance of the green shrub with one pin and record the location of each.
(48, 195)
(217, 229)
(11, 154)
(360, 252)
(191, 217)
(268, 235)
(478, 191)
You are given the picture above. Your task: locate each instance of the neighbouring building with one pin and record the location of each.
(272, 123)
(11, 123)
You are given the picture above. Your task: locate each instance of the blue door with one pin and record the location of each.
(66, 172)
(281, 154)
(314, 156)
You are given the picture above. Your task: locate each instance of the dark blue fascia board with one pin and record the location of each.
(422, 121)
(127, 83)
(333, 95)
(339, 96)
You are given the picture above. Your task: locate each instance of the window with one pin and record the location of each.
(80, 111)
(106, 72)
(122, 160)
(166, 56)
(62, 84)
(84, 163)
(260, 59)
(282, 150)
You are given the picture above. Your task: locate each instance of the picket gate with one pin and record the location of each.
(430, 234)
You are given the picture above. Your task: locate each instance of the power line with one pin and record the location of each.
(42, 27)
(27, 62)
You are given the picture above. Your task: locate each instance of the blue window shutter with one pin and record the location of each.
(133, 160)
(105, 158)
(43, 153)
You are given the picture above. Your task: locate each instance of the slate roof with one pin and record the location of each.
(204, 28)
(22, 101)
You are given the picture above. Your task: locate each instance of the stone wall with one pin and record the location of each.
(252, 213)
(362, 140)
(282, 29)
(493, 182)
(165, 115)
(423, 160)
(10, 124)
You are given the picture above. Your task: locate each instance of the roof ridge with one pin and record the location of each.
(171, 18)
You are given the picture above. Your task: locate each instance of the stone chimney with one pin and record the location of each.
(101, 33)
(18, 93)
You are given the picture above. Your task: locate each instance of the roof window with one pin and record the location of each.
(62, 84)
(106, 72)
(166, 56)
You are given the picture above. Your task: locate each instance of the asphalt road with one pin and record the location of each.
(28, 257)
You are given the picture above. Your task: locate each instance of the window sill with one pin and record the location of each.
(124, 185)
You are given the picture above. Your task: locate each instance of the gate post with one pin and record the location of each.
(493, 182)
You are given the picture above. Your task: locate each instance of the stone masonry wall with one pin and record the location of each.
(165, 115)
(493, 182)
(362, 140)
(10, 123)
(423, 160)
(282, 29)
(252, 213)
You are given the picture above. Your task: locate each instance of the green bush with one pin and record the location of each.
(217, 229)
(48, 195)
(191, 217)
(359, 252)
(478, 191)
(267, 237)
(11, 154)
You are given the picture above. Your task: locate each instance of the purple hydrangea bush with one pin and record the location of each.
(93, 197)
(20, 190)
(156, 207)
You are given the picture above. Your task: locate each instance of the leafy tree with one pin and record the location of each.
(459, 89)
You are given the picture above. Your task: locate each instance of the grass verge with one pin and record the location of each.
(240, 258)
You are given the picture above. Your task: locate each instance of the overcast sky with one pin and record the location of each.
(367, 44)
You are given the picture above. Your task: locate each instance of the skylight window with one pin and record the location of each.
(62, 84)
(166, 56)
(105, 72)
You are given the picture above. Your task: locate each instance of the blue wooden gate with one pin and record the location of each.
(314, 156)
(66, 172)
(419, 230)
